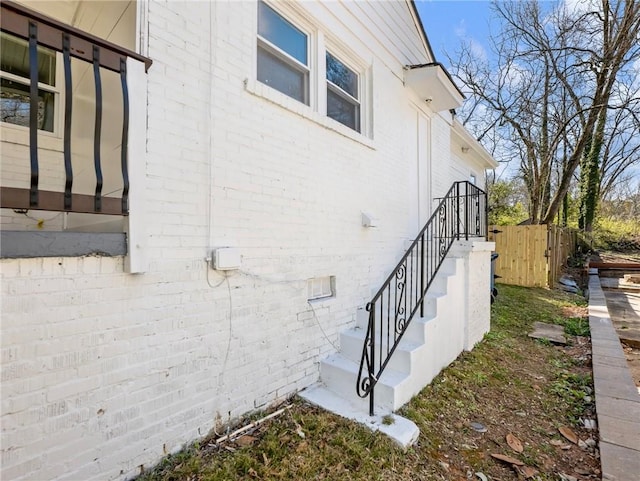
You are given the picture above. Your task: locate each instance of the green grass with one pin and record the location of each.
(509, 382)
(576, 326)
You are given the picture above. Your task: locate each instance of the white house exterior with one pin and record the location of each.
(111, 361)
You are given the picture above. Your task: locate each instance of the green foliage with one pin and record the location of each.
(590, 176)
(506, 202)
(616, 234)
(575, 326)
(575, 390)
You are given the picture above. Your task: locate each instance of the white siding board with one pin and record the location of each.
(383, 34)
(349, 30)
(397, 16)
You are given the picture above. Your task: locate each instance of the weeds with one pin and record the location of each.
(575, 390)
(576, 326)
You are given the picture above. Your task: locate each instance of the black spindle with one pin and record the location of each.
(68, 104)
(98, 128)
(125, 136)
(33, 112)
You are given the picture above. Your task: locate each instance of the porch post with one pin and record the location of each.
(136, 260)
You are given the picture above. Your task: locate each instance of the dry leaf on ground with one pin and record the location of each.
(527, 471)
(246, 440)
(569, 434)
(507, 459)
(514, 443)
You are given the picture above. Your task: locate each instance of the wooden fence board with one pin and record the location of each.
(532, 255)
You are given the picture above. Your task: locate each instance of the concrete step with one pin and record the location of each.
(339, 375)
(352, 342)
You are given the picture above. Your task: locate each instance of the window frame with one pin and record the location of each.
(337, 90)
(56, 90)
(320, 41)
(269, 47)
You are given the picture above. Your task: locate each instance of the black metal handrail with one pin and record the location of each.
(39, 30)
(461, 213)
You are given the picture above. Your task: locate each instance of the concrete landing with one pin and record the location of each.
(617, 399)
(403, 431)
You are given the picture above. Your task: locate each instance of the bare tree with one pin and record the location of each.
(621, 149)
(546, 90)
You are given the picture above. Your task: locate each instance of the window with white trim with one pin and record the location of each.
(15, 83)
(283, 54)
(291, 58)
(343, 86)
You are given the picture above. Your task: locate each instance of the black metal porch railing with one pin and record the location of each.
(41, 31)
(461, 214)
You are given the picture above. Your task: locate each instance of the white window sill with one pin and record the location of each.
(267, 93)
(16, 134)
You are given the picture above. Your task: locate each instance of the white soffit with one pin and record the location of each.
(432, 84)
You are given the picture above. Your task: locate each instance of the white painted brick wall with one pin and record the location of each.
(104, 372)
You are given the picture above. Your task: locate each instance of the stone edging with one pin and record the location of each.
(617, 398)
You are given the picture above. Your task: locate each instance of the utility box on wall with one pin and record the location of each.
(226, 259)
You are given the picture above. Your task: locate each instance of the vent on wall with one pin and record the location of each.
(321, 287)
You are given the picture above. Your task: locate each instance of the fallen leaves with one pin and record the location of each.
(514, 443)
(560, 444)
(507, 459)
(246, 440)
(568, 433)
(527, 471)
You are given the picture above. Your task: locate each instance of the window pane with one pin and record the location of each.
(281, 33)
(280, 75)
(342, 76)
(15, 59)
(14, 105)
(343, 110)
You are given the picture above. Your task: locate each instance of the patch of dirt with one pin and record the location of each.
(575, 311)
(633, 360)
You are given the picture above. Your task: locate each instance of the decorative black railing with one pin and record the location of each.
(461, 214)
(42, 31)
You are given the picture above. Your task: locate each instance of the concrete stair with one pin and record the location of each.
(429, 343)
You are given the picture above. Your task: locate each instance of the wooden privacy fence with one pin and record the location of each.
(532, 255)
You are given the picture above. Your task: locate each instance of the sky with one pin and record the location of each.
(448, 21)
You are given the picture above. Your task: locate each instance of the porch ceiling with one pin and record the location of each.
(61, 10)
